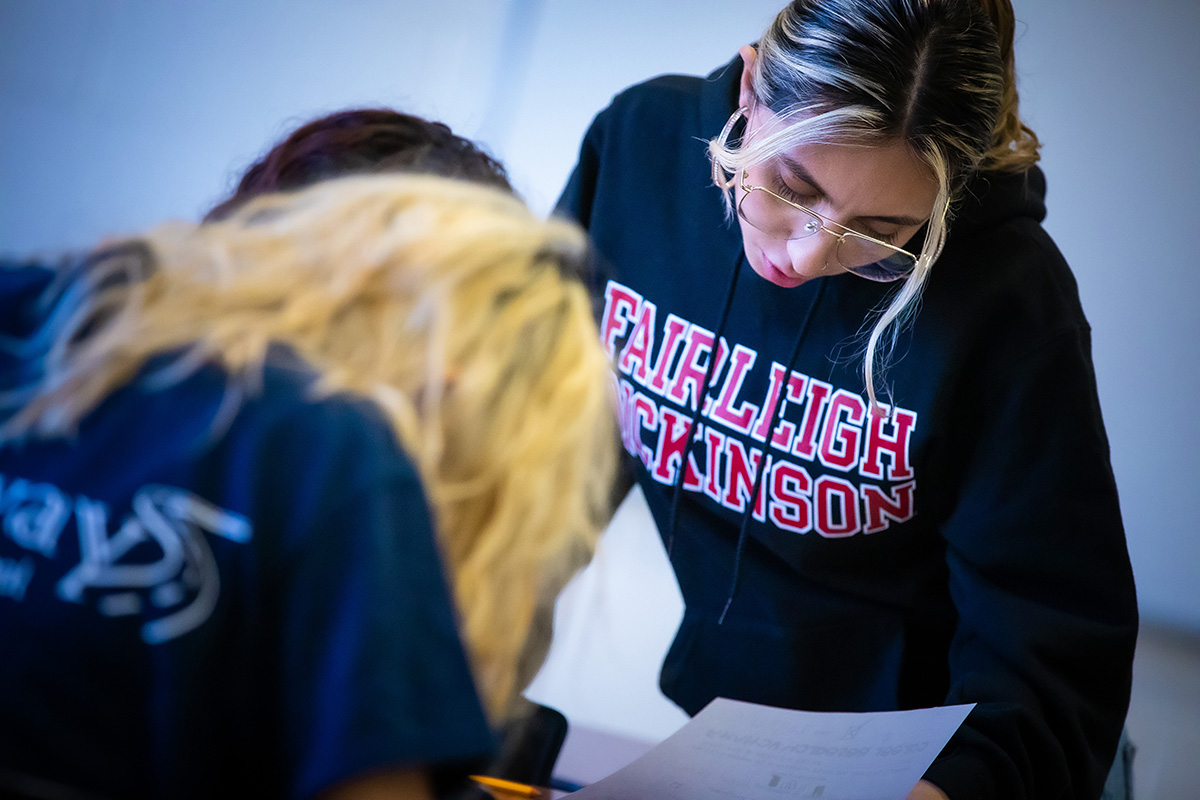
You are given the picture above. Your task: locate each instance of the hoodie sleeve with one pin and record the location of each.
(1039, 570)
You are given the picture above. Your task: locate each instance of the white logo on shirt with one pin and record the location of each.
(158, 557)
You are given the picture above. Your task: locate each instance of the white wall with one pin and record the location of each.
(115, 115)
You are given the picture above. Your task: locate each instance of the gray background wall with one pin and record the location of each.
(116, 115)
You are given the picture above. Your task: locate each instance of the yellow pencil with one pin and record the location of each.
(512, 787)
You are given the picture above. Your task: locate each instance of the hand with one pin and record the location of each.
(924, 790)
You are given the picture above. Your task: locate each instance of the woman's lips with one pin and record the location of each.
(777, 275)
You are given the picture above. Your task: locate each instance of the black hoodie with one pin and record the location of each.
(968, 549)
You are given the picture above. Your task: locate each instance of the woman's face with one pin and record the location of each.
(884, 192)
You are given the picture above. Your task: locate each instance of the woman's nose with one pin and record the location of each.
(814, 256)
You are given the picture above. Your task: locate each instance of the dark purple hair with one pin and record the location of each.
(361, 141)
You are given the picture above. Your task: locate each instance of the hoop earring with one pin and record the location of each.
(722, 138)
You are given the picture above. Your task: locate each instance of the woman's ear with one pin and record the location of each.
(746, 97)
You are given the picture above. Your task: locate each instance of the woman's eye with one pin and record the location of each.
(804, 197)
(890, 238)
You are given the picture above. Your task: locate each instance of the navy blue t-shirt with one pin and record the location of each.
(192, 606)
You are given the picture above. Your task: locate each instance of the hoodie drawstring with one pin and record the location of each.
(776, 414)
(701, 396)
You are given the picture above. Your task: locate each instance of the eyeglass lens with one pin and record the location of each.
(866, 258)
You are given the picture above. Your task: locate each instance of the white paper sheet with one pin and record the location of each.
(743, 751)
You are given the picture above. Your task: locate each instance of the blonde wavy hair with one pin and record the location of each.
(450, 306)
(1015, 147)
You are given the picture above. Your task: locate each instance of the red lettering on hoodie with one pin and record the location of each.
(689, 373)
(882, 509)
(800, 415)
(635, 356)
(806, 443)
(842, 430)
(673, 430)
(672, 337)
(714, 441)
(740, 418)
(837, 507)
(791, 488)
(785, 431)
(644, 416)
(620, 306)
(895, 444)
(741, 469)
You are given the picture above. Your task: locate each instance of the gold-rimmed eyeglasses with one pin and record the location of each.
(859, 253)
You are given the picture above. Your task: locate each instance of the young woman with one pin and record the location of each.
(867, 507)
(234, 458)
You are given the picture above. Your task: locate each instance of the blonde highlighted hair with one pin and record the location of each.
(937, 75)
(449, 304)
